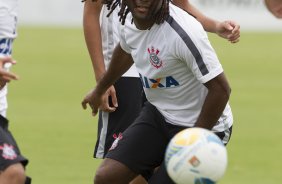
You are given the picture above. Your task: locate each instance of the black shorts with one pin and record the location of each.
(130, 96)
(142, 146)
(9, 150)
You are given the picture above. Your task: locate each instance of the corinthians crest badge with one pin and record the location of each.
(8, 152)
(154, 59)
(117, 139)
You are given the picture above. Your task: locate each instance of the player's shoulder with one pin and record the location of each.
(182, 17)
(183, 23)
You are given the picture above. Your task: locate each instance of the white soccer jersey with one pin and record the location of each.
(174, 59)
(110, 38)
(8, 21)
(8, 18)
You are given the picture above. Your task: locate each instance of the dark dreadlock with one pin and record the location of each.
(103, 1)
(161, 16)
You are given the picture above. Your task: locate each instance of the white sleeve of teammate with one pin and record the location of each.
(122, 41)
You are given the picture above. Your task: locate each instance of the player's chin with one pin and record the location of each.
(140, 13)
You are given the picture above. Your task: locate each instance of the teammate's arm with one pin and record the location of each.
(215, 102)
(120, 63)
(93, 39)
(229, 30)
(92, 34)
(275, 7)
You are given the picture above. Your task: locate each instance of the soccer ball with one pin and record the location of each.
(195, 156)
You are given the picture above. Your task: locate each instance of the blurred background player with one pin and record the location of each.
(275, 7)
(101, 36)
(183, 81)
(126, 95)
(12, 163)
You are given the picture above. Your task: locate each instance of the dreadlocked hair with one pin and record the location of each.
(111, 5)
(161, 16)
(103, 1)
(85, 0)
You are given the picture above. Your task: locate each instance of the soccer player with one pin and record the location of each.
(275, 7)
(12, 163)
(101, 37)
(183, 81)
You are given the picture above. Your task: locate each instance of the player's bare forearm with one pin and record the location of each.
(208, 23)
(92, 34)
(228, 29)
(215, 102)
(275, 7)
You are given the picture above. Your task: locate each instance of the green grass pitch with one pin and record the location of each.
(58, 136)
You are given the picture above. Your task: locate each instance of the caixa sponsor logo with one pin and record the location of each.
(5, 46)
(165, 82)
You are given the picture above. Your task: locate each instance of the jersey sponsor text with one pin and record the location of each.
(165, 82)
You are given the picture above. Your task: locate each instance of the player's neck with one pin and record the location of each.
(143, 24)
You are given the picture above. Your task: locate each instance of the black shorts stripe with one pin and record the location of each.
(189, 43)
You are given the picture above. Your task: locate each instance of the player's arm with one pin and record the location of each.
(275, 7)
(93, 39)
(229, 29)
(120, 63)
(6, 76)
(92, 34)
(215, 102)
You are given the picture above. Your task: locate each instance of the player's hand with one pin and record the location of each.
(5, 75)
(109, 100)
(229, 30)
(93, 100)
(100, 101)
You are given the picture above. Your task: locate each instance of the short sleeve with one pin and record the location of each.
(195, 49)
(123, 44)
